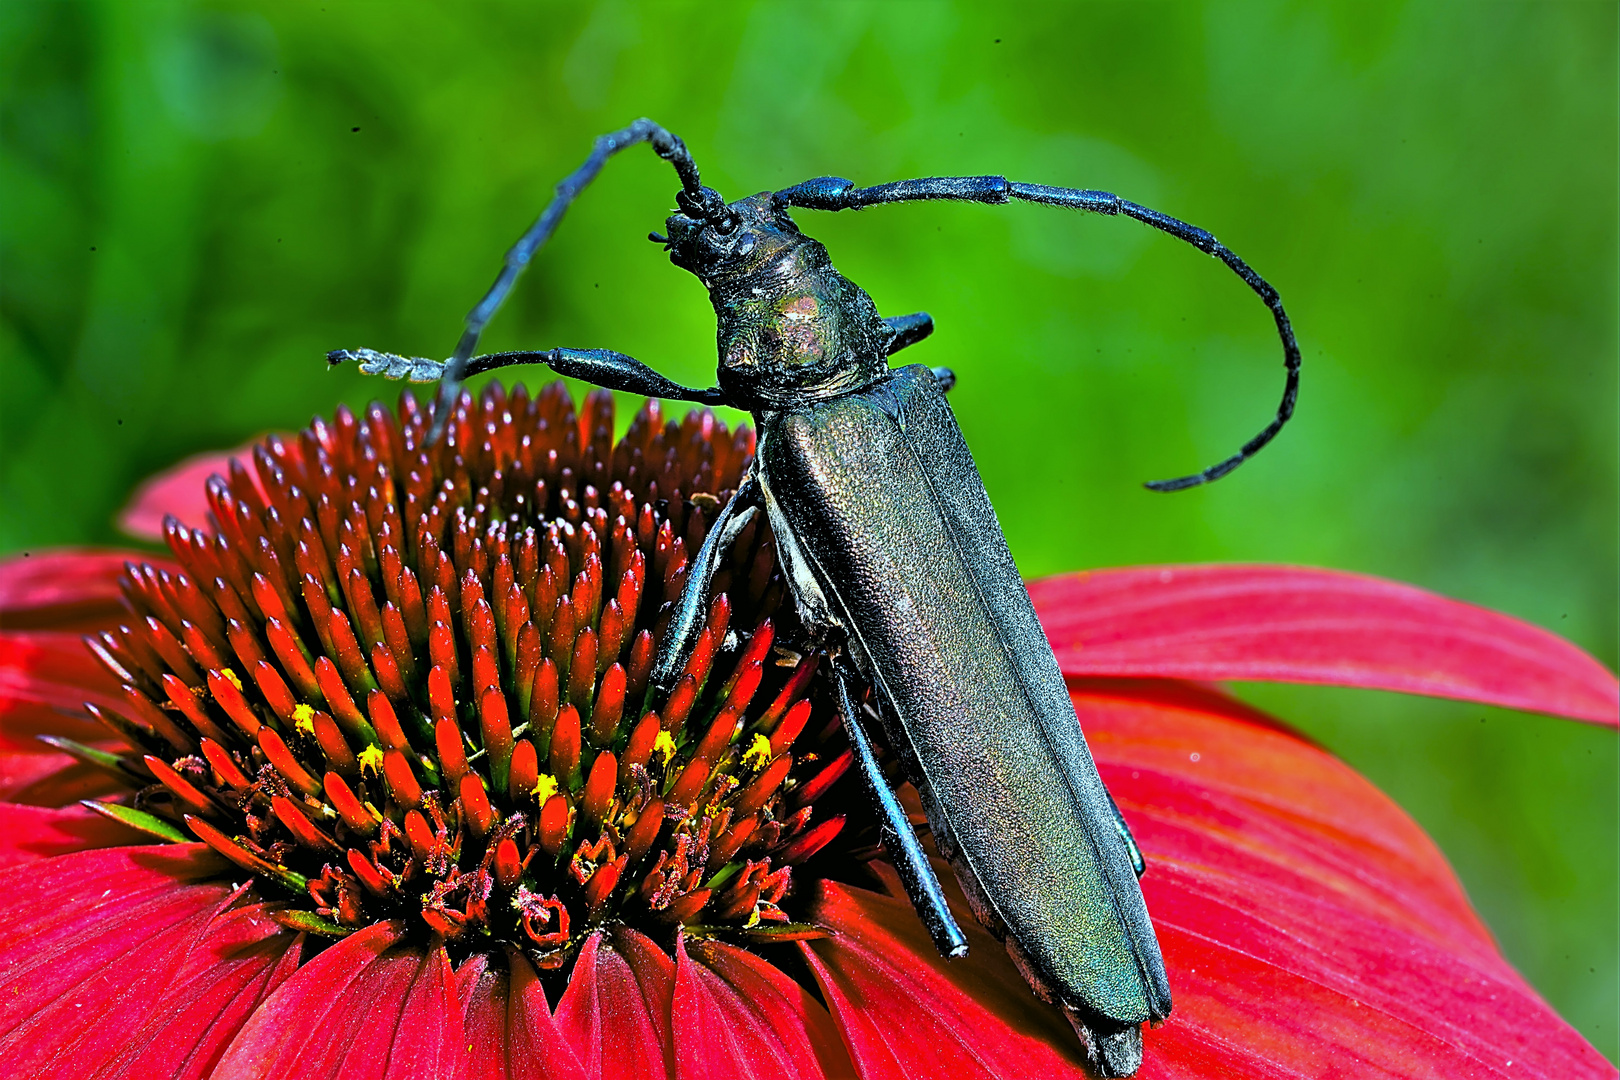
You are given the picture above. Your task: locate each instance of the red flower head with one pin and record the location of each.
(397, 693)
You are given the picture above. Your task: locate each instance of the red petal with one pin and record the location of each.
(88, 944)
(45, 679)
(510, 1031)
(751, 1021)
(180, 490)
(242, 958)
(1309, 927)
(1297, 624)
(52, 780)
(1258, 793)
(362, 1010)
(615, 1012)
(65, 589)
(427, 1042)
(906, 1013)
(29, 833)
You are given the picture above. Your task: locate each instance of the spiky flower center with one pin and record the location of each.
(401, 681)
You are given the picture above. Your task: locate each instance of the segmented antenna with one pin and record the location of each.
(693, 194)
(836, 193)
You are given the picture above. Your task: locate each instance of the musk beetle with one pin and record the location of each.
(899, 569)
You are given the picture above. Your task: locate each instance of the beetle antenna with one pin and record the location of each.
(836, 193)
(666, 145)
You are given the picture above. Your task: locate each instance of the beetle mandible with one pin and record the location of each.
(899, 568)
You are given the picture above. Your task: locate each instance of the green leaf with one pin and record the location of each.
(793, 931)
(723, 875)
(311, 923)
(101, 759)
(137, 819)
(763, 933)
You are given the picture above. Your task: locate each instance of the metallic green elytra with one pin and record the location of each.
(900, 571)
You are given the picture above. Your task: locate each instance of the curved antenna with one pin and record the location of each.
(836, 193)
(668, 146)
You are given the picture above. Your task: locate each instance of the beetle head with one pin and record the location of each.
(790, 325)
(717, 240)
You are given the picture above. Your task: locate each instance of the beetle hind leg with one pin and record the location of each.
(899, 839)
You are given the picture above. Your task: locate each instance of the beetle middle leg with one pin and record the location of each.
(899, 838)
(1138, 863)
(907, 330)
(690, 610)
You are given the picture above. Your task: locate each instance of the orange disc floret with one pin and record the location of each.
(416, 688)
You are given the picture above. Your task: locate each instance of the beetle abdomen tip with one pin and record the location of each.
(1116, 1052)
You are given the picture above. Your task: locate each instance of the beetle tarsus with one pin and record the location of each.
(417, 369)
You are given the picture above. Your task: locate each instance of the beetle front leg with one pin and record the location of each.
(899, 838)
(692, 608)
(600, 367)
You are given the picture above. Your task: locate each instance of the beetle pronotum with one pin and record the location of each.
(899, 569)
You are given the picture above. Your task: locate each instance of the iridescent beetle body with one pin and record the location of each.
(900, 570)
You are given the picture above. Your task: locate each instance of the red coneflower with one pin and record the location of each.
(397, 692)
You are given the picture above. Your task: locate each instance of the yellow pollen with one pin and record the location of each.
(544, 788)
(304, 718)
(371, 758)
(753, 918)
(664, 745)
(230, 677)
(758, 754)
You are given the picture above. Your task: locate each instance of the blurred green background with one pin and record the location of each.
(200, 199)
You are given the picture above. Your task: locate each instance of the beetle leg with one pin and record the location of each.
(693, 606)
(908, 330)
(1138, 863)
(601, 367)
(899, 838)
(946, 378)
